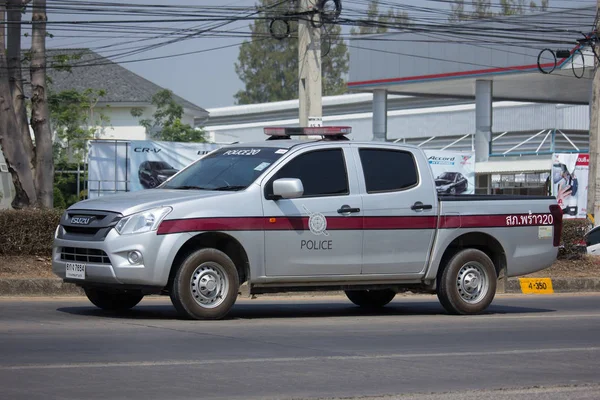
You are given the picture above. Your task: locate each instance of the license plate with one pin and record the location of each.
(75, 271)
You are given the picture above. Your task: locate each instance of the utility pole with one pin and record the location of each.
(593, 203)
(309, 62)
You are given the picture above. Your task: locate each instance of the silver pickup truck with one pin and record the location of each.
(300, 214)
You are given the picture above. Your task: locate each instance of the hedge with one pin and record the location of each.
(28, 232)
(572, 238)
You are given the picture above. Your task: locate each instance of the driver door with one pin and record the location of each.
(314, 235)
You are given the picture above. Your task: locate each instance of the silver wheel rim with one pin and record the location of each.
(209, 285)
(472, 282)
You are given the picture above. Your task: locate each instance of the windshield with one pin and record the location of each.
(448, 176)
(226, 169)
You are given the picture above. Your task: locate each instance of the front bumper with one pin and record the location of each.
(158, 253)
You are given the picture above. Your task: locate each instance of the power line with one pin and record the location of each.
(426, 23)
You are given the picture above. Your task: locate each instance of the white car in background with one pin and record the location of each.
(592, 241)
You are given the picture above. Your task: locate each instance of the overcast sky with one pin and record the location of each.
(207, 79)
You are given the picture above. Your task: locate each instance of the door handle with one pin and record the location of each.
(420, 206)
(346, 209)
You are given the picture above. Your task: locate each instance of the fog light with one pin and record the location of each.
(134, 257)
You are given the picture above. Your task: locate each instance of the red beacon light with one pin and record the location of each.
(326, 132)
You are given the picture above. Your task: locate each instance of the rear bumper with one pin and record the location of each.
(158, 253)
(527, 264)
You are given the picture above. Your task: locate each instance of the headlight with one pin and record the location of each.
(145, 221)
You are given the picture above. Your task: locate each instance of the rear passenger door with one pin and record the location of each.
(399, 208)
(315, 235)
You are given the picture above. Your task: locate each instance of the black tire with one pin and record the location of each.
(467, 284)
(371, 298)
(112, 300)
(205, 285)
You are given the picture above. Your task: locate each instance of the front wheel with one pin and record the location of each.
(370, 298)
(113, 300)
(468, 283)
(206, 285)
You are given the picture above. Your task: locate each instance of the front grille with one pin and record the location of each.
(90, 226)
(77, 254)
(80, 230)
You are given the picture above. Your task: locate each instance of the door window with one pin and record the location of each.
(388, 170)
(322, 172)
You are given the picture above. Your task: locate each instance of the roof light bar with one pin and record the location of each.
(318, 131)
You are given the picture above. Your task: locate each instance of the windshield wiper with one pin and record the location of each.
(188, 187)
(223, 188)
(230, 187)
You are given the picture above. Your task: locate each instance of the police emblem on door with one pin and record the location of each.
(317, 223)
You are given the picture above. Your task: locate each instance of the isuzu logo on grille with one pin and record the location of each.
(81, 220)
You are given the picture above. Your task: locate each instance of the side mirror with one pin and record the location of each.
(287, 188)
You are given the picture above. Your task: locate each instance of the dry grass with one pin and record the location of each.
(587, 267)
(25, 267)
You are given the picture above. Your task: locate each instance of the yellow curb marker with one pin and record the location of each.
(536, 285)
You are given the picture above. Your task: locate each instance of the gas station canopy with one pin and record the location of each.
(448, 61)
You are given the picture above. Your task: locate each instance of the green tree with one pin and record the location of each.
(268, 67)
(377, 22)
(75, 120)
(483, 8)
(166, 123)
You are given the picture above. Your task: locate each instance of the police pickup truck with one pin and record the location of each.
(300, 214)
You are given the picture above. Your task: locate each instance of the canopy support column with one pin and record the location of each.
(483, 119)
(380, 115)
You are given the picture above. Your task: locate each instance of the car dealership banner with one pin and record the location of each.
(124, 166)
(151, 162)
(454, 172)
(570, 173)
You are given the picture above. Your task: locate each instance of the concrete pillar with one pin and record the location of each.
(380, 115)
(309, 70)
(483, 119)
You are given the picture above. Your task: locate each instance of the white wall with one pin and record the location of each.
(6, 190)
(124, 126)
(6, 186)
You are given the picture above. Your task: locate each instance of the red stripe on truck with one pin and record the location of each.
(353, 223)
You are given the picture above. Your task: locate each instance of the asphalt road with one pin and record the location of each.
(534, 347)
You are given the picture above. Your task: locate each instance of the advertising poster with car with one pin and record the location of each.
(152, 162)
(125, 166)
(570, 173)
(454, 172)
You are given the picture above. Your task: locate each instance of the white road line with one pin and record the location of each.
(535, 315)
(129, 364)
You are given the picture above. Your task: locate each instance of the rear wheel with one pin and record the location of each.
(113, 300)
(468, 283)
(370, 298)
(206, 285)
